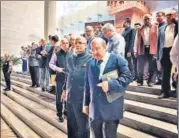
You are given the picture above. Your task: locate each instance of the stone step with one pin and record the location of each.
(40, 126)
(149, 130)
(156, 89)
(50, 114)
(18, 126)
(151, 99)
(164, 114)
(135, 96)
(132, 87)
(157, 112)
(148, 125)
(6, 131)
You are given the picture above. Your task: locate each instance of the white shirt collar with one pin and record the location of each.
(106, 57)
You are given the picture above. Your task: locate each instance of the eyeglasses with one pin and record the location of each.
(79, 43)
(65, 43)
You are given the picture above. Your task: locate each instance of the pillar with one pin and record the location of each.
(50, 20)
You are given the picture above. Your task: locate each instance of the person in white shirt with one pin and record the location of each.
(165, 60)
(174, 53)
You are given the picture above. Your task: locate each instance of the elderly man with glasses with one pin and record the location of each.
(58, 64)
(77, 122)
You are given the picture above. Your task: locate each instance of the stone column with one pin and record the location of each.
(50, 20)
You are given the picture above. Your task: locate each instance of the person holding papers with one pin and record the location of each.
(107, 76)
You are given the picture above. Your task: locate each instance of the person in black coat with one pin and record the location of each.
(7, 69)
(129, 36)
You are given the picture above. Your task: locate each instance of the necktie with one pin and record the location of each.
(98, 63)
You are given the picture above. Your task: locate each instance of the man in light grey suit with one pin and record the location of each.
(116, 42)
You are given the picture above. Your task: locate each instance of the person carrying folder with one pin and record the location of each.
(100, 84)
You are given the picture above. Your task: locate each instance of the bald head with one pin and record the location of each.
(89, 31)
(147, 19)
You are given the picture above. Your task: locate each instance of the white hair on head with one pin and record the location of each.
(99, 40)
(109, 26)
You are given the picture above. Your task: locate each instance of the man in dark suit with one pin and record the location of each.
(7, 69)
(77, 122)
(104, 116)
(129, 36)
(89, 33)
(44, 71)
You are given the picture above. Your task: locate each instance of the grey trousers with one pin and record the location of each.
(44, 77)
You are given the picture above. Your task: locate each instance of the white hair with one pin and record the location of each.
(99, 40)
(109, 26)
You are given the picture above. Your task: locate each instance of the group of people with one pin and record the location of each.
(152, 43)
(92, 72)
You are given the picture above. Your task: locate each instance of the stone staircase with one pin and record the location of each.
(145, 116)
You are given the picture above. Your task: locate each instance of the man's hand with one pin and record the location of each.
(39, 56)
(63, 96)
(135, 55)
(86, 110)
(175, 76)
(104, 85)
(129, 54)
(60, 70)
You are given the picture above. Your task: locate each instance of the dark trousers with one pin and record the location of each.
(142, 59)
(104, 129)
(51, 88)
(7, 78)
(24, 65)
(59, 102)
(131, 64)
(135, 67)
(34, 73)
(167, 66)
(77, 122)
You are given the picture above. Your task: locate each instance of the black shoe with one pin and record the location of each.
(158, 83)
(150, 84)
(43, 89)
(61, 119)
(6, 89)
(36, 86)
(163, 96)
(139, 84)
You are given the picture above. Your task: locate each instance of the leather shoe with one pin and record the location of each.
(36, 86)
(163, 96)
(150, 84)
(61, 119)
(139, 84)
(43, 89)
